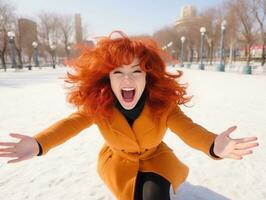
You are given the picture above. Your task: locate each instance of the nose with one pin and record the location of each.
(127, 77)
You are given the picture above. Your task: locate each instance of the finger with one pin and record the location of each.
(8, 143)
(16, 160)
(241, 146)
(229, 130)
(242, 152)
(19, 136)
(8, 155)
(236, 157)
(246, 139)
(8, 150)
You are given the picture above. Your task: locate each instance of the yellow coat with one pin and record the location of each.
(128, 150)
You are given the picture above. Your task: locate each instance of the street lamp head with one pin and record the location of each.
(183, 38)
(203, 30)
(35, 44)
(223, 24)
(169, 44)
(52, 47)
(11, 34)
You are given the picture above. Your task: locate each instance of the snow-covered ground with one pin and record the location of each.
(33, 100)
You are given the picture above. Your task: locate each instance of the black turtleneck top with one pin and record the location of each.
(132, 114)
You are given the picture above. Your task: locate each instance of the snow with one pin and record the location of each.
(33, 100)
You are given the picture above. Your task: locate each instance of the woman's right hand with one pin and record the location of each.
(25, 149)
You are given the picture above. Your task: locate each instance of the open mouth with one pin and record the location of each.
(128, 94)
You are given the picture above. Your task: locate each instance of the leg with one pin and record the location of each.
(139, 186)
(155, 187)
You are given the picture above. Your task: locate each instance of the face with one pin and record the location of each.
(128, 83)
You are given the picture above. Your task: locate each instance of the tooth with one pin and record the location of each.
(128, 89)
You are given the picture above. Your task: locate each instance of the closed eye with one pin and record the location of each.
(137, 71)
(117, 72)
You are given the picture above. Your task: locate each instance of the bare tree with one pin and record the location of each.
(7, 17)
(190, 28)
(232, 30)
(66, 26)
(18, 45)
(49, 31)
(86, 30)
(247, 29)
(259, 12)
(211, 19)
(166, 35)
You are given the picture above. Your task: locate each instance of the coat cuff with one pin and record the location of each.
(40, 149)
(213, 154)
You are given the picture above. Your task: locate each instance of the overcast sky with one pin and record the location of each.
(103, 16)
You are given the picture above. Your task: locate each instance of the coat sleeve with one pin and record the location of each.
(62, 130)
(191, 133)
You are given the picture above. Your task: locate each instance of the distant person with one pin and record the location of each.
(122, 86)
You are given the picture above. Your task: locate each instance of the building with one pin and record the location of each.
(188, 14)
(78, 28)
(27, 32)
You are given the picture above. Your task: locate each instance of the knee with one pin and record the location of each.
(151, 195)
(154, 192)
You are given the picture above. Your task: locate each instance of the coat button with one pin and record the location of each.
(123, 150)
(146, 149)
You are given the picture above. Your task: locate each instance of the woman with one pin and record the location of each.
(122, 86)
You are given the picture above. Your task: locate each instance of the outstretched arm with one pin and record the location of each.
(59, 132)
(214, 145)
(62, 130)
(190, 132)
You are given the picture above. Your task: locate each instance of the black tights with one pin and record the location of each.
(151, 186)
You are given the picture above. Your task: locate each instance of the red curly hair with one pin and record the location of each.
(90, 85)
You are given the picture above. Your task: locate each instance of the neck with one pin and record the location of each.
(133, 113)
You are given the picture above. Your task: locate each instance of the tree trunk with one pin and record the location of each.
(20, 59)
(263, 53)
(3, 61)
(191, 54)
(211, 53)
(248, 54)
(231, 54)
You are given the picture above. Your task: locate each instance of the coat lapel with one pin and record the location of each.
(120, 125)
(145, 121)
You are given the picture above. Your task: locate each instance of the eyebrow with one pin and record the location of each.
(132, 66)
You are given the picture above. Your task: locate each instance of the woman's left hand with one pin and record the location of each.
(226, 147)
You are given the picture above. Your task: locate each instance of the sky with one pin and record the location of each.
(102, 17)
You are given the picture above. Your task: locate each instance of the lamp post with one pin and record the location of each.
(68, 51)
(11, 36)
(202, 31)
(210, 55)
(167, 46)
(35, 46)
(183, 38)
(53, 54)
(222, 64)
(172, 52)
